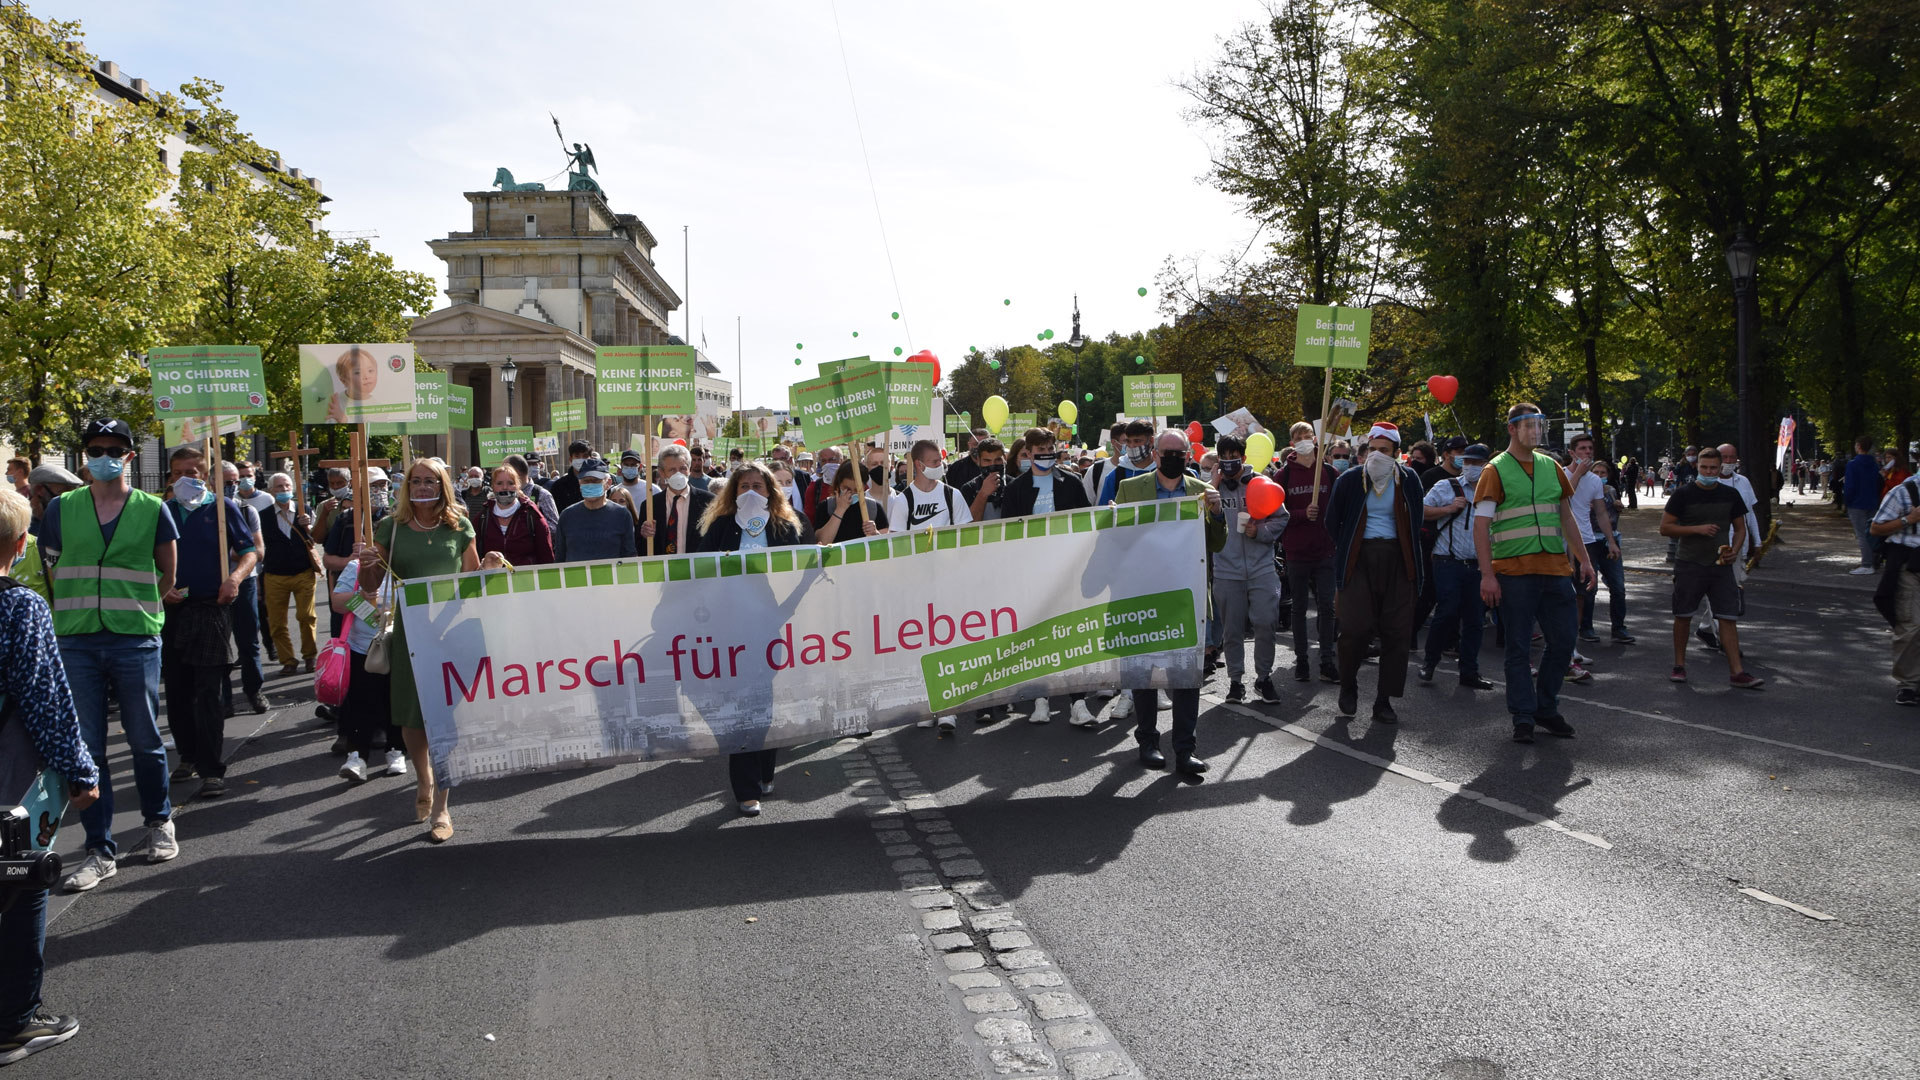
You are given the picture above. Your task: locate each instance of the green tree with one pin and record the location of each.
(88, 256)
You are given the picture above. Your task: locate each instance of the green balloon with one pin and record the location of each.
(1089, 397)
(1009, 303)
(897, 350)
(856, 333)
(796, 359)
(1049, 335)
(1139, 359)
(1039, 337)
(1143, 290)
(896, 314)
(797, 345)
(994, 364)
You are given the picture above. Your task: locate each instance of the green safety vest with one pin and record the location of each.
(101, 586)
(1528, 517)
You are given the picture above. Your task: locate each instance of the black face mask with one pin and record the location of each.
(1231, 469)
(1173, 463)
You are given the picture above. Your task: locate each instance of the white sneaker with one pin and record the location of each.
(97, 868)
(948, 722)
(161, 845)
(1081, 716)
(1578, 659)
(1122, 704)
(1041, 713)
(924, 723)
(354, 769)
(1861, 570)
(396, 763)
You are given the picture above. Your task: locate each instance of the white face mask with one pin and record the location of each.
(1379, 470)
(189, 492)
(505, 510)
(935, 473)
(750, 511)
(1471, 474)
(828, 470)
(1304, 447)
(678, 481)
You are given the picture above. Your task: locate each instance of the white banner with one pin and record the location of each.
(689, 656)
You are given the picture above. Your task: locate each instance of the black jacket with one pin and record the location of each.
(724, 535)
(851, 527)
(565, 491)
(697, 503)
(1017, 498)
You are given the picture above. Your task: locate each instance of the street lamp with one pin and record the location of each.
(1742, 255)
(1220, 389)
(1076, 343)
(509, 372)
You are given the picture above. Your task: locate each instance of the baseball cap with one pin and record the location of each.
(377, 475)
(594, 467)
(1477, 452)
(1458, 442)
(105, 426)
(629, 455)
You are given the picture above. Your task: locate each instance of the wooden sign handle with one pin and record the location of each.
(859, 473)
(646, 472)
(1326, 432)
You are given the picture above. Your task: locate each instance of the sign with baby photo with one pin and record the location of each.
(354, 384)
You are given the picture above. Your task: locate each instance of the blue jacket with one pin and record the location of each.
(1346, 509)
(1862, 483)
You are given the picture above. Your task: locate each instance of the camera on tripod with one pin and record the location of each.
(25, 866)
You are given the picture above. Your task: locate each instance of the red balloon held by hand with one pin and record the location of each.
(1264, 498)
(1443, 388)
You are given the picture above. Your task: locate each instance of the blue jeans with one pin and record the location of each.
(1547, 599)
(1458, 612)
(1608, 571)
(23, 941)
(1862, 520)
(246, 636)
(132, 665)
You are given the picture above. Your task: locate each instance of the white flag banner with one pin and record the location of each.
(695, 655)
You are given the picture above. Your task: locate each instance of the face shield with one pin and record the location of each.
(1530, 429)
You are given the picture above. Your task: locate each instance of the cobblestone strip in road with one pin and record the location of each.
(1018, 1011)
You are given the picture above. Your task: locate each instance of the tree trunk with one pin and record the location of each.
(1690, 410)
(1853, 367)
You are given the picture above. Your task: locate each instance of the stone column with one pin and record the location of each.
(605, 315)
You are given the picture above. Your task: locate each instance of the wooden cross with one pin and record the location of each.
(357, 464)
(296, 452)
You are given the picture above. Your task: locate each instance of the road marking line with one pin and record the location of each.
(1769, 898)
(1016, 1008)
(1445, 787)
(1740, 735)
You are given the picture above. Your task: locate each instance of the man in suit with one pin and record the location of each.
(678, 508)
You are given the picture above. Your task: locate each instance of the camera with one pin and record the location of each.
(24, 864)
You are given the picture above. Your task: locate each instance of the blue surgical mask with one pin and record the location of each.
(283, 497)
(631, 472)
(1341, 464)
(1459, 462)
(106, 468)
(1707, 481)
(1026, 465)
(1471, 473)
(592, 491)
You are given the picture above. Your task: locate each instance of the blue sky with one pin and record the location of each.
(1022, 151)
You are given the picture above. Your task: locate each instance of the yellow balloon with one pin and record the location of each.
(1259, 451)
(1069, 412)
(994, 412)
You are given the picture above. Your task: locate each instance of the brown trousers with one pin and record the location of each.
(1378, 598)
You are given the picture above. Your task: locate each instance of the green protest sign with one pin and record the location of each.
(1151, 395)
(909, 394)
(644, 380)
(429, 408)
(198, 429)
(959, 423)
(205, 380)
(841, 406)
(460, 408)
(569, 415)
(497, 442)
(1331, 336)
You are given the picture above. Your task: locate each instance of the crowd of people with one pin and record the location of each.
(112, 593)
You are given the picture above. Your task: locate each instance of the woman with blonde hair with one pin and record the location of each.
(427, 535)
(751, 514)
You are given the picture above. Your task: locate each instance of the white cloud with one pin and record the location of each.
(1020, 150)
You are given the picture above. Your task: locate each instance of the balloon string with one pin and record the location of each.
(847, 70)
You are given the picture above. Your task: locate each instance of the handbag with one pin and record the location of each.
(334, 667)
(380, 651)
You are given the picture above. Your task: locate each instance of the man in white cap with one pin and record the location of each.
(1375, 515)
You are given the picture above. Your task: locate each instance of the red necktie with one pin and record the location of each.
(673, 522)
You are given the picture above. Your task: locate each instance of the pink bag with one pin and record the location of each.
(333, 667)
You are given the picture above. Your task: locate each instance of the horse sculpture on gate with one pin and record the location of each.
(503, 180)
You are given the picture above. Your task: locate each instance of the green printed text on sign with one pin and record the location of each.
(497, 442)
(841, 406)
(570, 415)
(429, 408)
(644, 380)
(460, 408)
(1143, 624)
(1152, 395)
(1331, 336)
(204, 380)
(959, 423)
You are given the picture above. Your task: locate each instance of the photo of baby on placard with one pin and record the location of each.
(352, 384)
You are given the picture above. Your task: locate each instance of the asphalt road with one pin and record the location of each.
(1303, 912)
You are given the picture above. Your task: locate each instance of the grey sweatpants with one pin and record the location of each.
(1245, 605)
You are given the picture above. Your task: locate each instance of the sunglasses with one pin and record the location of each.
(115, 452)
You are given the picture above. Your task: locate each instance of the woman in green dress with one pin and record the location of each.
(428, 534)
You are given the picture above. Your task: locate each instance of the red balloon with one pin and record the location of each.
(1264, 497)
(1196, 433)
(925, 356)
(1443, 388)
(679, 442)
